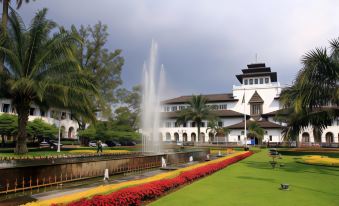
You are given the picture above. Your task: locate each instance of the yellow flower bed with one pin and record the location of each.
(88, 151)
(222, 151)
(104, 189)
(320, 160)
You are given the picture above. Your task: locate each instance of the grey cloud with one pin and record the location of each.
(204, 44)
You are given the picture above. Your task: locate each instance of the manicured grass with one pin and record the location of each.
(254, 182)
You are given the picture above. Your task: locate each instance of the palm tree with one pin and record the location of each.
(197, 111)
(40, 68)
(4, 19)
(255, 131)
(5, 7)
(313, 98)
(215, 129)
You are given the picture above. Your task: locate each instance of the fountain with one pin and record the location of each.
(150, 107)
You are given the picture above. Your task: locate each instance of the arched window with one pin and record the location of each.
(305, 137)
(168, 136)
(71, 132)
(193, 137)
(176, 137)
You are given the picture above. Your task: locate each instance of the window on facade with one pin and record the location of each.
(31, 111)
(256, 109)
(5, 108)
(246, 82)
(255, 81)
(176, 124)
(184, 124)
(174, 108)
(261, 80)
(42, 113)
(167, 109)
(63, 115)
(193, 124)
(222, 106)
(242, 132)
(181, 107)
(267, 80)
(168, 124)
(266, 132)
(220, 124)
(270, 137)
(202, 124)
(251, 81)
(213, 106)
(238, 137)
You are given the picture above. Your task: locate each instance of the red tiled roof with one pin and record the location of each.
(218, 113)
(226, 97)
(262, 123)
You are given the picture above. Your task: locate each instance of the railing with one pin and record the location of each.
(24, 184)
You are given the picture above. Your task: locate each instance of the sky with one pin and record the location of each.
(203, 44)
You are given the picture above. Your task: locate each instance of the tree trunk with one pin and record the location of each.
(317, 135)
(2, 140)
(23, 112)
(199, 131)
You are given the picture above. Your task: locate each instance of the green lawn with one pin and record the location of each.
(253, 182)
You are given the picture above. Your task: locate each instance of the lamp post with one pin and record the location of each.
(59, 136)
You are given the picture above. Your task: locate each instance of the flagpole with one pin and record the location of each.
(245, 133)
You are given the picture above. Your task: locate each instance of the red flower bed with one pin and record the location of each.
(135, 195)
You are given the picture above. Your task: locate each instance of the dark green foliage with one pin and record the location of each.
(110, 130)
(313, 98)
(41, 68)
(106, 66)
(255, 131)
(40, 129)
(129, 112)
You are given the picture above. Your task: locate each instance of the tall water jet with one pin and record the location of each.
(150, 106)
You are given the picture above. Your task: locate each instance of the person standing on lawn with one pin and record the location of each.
(99, 146)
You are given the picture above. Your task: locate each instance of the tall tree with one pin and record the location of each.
(313, 98)
(129, 106)
(197, 111)
(255, 131)
(94, 57)
(4, 19)
(215, 129)
(40, 129)
(40, 68)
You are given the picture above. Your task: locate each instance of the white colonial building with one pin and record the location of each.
(69, 126)
(257, 96)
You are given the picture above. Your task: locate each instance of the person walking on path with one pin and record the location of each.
(99, 146)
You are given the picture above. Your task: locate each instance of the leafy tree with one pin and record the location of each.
(129, 111)
(110, 130)
(8, 125)
(196, 112)
(40, 129)
(41, 68)
(106, 66)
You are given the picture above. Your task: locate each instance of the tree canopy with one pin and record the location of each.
(41, 68)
